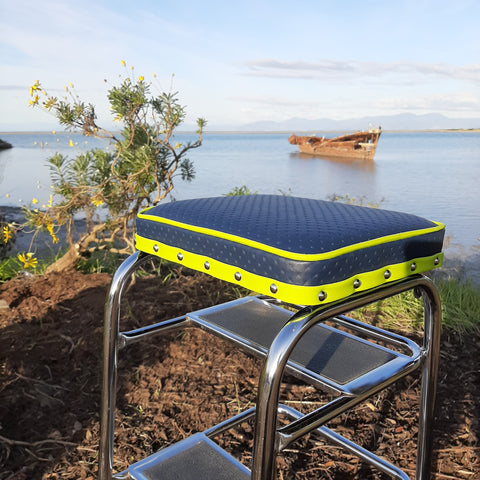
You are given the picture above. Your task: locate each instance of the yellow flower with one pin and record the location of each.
(7, 234)
(123, 62)
(34, 201)
(70, 143)
(97, 201)
(28, 260)
(177, 146)
(141, 78)
(35, 87)
(7, 195)
(50, 201)
(35, 101)
(49, 103)
(52, 232)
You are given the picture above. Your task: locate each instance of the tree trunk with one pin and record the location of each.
(66, 262)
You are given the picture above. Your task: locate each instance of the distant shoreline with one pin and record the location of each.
(264, 132)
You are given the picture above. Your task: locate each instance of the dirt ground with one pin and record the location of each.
(50, 355)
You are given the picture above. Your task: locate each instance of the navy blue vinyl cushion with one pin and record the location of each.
(290, 240)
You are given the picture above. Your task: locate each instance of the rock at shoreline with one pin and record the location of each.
(4, 145)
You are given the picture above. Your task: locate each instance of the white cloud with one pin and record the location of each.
(10, 88)
(79, 37)
(270, 101)
(465, 104)
(326, 69)
(454, 102)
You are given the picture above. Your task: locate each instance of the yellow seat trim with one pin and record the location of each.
(297, 294)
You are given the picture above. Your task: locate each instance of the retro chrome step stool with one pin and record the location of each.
(327, 259)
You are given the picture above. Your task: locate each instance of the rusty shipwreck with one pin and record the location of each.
(361, 145)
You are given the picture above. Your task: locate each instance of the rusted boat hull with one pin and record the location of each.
(361, 145)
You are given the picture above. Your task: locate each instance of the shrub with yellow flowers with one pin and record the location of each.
(138, 171)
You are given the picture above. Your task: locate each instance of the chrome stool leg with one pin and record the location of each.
(431, 345)
(110, 352)
(269, 440)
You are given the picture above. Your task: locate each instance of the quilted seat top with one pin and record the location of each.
(300, 250)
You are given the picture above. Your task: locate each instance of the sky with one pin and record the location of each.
(240, 62)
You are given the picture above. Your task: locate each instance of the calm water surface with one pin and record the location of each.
(435, 175)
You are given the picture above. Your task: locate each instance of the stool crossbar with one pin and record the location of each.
(299, 327)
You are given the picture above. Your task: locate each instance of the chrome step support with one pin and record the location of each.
(340, 441)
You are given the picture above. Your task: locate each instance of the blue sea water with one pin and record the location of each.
(432, 174)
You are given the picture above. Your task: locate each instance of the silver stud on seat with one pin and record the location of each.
(356, 283)
(273, 288)
(156, 248)
(179, 256)
(238, 276)
(436, 261)
(322, 296)
(413, 266)
(207, 265)
(387, 274)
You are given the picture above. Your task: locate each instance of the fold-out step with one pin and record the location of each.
(195, 458)
(326, 352)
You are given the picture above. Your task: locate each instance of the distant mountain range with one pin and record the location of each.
(403, 121)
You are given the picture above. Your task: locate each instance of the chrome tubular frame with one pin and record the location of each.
(269, 440)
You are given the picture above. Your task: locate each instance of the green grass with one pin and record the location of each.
(100, 261)
(460, 308)
(403, 313)
(9, 268)
(460, 305)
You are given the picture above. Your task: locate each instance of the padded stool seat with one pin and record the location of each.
(299, 250)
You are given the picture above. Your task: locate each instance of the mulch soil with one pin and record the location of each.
(170, 387)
